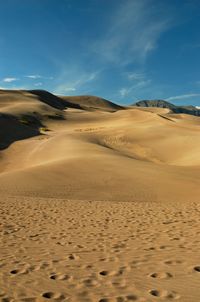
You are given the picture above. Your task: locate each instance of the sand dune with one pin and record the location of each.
(101, 207)
(93, 103)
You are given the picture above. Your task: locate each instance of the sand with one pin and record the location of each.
(104, 206)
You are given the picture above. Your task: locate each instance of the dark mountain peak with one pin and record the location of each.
(154, 103)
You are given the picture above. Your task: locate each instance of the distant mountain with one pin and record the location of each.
(154, 103)
(164, 104)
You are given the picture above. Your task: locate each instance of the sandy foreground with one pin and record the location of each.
(103, 207)
(62, 250)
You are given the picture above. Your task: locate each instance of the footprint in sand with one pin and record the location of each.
(105, 273)
(161, 275)
(14, 271)
(173, 262)
(197, 269)
(60, 277)
(164, 294)
(51, 295)
(73, 257)
(126, 298)
(120, 284)
(17, 271)
(90, 282)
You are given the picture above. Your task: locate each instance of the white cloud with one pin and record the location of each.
(38, 84)
(70, 89)
(141, 84)
(33, 76)
(10, 80)
(124, 92)
(38, 76)
(133, 32)
(183, 96)
(127, 91)
(135, 76)
(73, 80)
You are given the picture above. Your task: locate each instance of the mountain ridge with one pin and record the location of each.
(188, 109)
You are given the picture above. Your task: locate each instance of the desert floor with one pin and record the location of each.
(99, 251)
(102, 207)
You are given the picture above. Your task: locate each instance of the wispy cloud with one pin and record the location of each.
(132, 76)
(124, 92)
(9, 80)
(37, 76)
(138, 81)
(133, 31)
(70, 89)
(183, 96)
(38, 84)
(33, 76)
(75, 80)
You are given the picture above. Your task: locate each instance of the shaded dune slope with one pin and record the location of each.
(11, 130)
(23, 114)
(53, 100)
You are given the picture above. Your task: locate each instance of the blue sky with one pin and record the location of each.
(123, 50)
